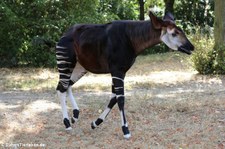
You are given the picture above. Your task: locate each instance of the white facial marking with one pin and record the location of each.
(170, 31)
(172, 42)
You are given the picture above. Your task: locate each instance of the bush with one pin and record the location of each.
(161, 48)
(203, 57)
(37, 53)
(219, 62)
(208, 59)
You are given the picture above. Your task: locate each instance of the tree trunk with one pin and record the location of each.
(169, 5)
(219, 35)
(219, 23)
(142, 11)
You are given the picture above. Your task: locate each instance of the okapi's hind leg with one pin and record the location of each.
(78, 72)
(68, 75)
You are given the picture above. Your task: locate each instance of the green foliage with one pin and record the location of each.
(203, 56)
(194, 13)
(161, 48)
(118, 10)
(188, 14)
(29, 29)
(208, 59)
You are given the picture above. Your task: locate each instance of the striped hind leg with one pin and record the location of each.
(65, 67)
(68, 75)
(67, 81)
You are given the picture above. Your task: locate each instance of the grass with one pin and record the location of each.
(168, 105)
(46, 79)
(28, 79)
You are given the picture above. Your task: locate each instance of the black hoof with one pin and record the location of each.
(75, 116)
(93, 126)
(125, 130)
(66, 123)
(72, 120)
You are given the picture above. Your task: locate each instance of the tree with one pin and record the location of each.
(219, 35)
(142, 10)
(169, 5)
(219, 25)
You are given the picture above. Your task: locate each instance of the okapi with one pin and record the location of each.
(110, 48)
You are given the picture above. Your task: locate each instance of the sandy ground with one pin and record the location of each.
(167, 105)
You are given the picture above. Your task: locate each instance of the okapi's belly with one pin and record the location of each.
(94, 63)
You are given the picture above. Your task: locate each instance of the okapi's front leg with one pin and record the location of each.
(107, 110)
(118, 82)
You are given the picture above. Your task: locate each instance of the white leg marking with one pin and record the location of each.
(75, 119)
(117, 96)
(113, 95)
(105, 113)
(94, 124)
(60, 56)
(77, 73)
(117, 78)
(118, 88)
(62, 97)
(122, 120)
(60, 47)
(71, 97)
(127, 136)
(62, 69)
(63, 62)
(69, 128)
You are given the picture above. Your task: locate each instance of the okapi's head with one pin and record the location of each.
(171, 35)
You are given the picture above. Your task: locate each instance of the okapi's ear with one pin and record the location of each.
(169, 17)
(156, 22)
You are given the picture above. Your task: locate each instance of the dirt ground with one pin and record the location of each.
(168, 105)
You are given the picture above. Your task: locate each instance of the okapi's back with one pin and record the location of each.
(90, 43)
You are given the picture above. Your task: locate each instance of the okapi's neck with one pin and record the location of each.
(142, 35)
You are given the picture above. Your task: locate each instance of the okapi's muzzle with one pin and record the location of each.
(186, 48)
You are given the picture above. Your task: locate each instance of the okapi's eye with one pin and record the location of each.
(174, 34)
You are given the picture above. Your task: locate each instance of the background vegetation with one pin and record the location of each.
(30, 29)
